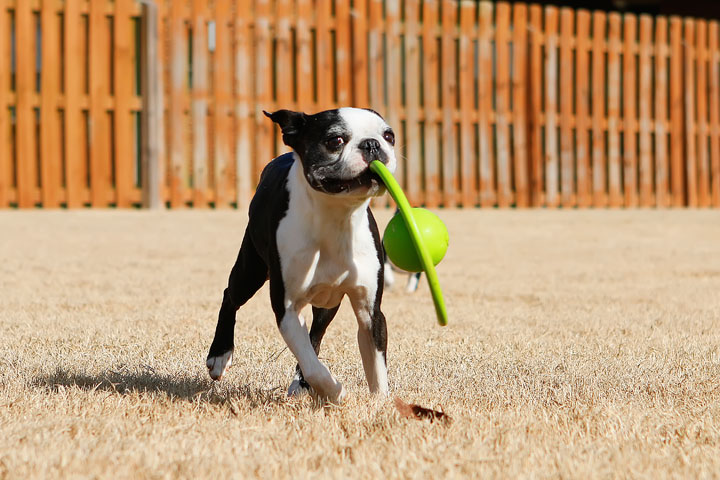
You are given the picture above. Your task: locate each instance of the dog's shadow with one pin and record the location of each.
(144, 380)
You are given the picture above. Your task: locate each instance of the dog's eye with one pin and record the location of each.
(389, 137)
(334, 143)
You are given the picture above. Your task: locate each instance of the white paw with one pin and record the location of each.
(412, 283)
(217, 366)
(296, 387)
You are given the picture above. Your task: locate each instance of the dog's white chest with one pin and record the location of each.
(325, 254)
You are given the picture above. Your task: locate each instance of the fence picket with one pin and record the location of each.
(25, 144)
(5, 153)
(343, 52)
(485, 107)
(714, 57)
(222, 100)
(199, 102)
(645, 111)
(123, 92)
(613, 110)
(50, 154)
(551, 134)
(467, 104)
(662, 198)
(703, 157)
(675, 101)
(359, 54)
(567, 171)
(599, 158)
(431, 81)
(629, 123)
(243, 99)
(449, 102)
(176, 110)
(502, 104)
(582, 105)
(535, 113)
(690, 120)
(519, 83)
(412, 102)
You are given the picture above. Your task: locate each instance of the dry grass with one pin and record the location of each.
(581, 344)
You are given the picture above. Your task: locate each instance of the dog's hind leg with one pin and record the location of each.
(247, 276)
(372, 340)
(321, 319)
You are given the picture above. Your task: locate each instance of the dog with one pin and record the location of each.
(312, 234)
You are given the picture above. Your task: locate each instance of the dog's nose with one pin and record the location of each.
(369, 145)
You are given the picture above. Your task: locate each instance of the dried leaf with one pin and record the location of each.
(417, 412)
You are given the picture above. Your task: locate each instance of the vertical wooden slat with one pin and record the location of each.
(123, 92)
(645, 107)
(613, 113)
(714, 56)
(502, 104)
(582, 106)
(360, 54)
(449, 102)
(342, 52)
(485, 103)
(431, 81)
(99, 71)
(377, 57)
(324, 55)
(74, 141)
(263, 85)
(50, 153)
(178, 75)
(25, 113)
(551, 67)
(599, 160)
(199, 102)
(629, 112)
(703, 157)
(151, 86)
(690, 120)
(519, 82)
(567, 170)
(467, 104)
(243, 89)
(394, 81)
(412, 98)
(676, 113)
(222, 93)
(283, 62)
(5, 154)
(662, 198)
(536, 93)
(304, 57)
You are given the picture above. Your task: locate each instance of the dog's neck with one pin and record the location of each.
(337, 208)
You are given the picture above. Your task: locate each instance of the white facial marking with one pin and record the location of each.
(364, 124)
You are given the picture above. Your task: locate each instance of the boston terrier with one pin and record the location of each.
(312, 234)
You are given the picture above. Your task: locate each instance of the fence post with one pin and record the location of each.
(151, 116)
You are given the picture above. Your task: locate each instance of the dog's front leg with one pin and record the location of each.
(293, 330)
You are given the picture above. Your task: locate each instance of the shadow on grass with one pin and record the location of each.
(144, 380)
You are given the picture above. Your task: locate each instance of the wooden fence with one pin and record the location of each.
(494, 103)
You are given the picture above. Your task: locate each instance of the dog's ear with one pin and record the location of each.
(291, 123)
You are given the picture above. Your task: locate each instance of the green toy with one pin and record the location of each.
(424, 230)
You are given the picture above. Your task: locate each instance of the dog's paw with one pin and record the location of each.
(217, 366)
(388, 276)
(412, 283)
(298, 386)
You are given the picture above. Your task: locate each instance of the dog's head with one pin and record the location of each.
(337, 146)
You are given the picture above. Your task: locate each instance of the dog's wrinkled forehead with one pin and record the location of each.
(356, 123)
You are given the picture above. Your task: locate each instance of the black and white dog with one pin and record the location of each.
(312, 234)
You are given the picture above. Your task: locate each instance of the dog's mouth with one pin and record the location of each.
(367, 182)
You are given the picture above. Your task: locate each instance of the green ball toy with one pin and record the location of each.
(399, 245)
